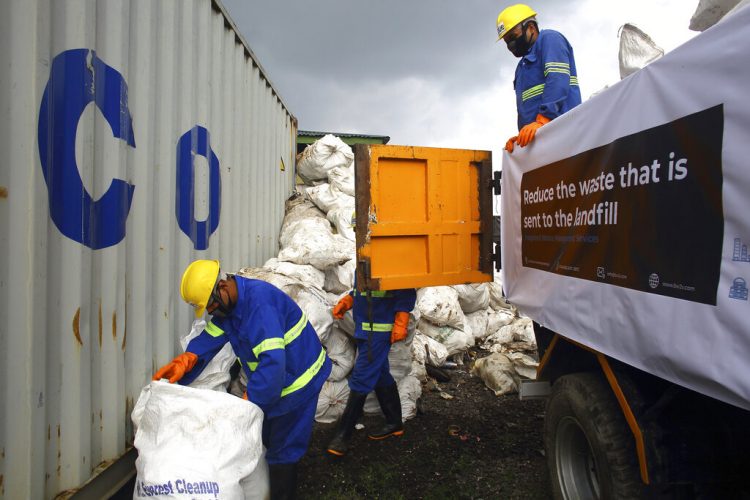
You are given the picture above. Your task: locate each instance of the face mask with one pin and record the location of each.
(520, 45)
(223, 308)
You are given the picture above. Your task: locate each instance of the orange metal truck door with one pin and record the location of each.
(423, 216)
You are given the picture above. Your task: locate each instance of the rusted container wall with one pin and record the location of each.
(423, 216)
(135, 136)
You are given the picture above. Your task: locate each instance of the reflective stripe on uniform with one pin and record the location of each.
(556, 67)
(213, 330)
(377, 327)
(532, 92)
(306, 377)
(268, 345)
(539, 89)
(294, 331)
(373, 293)
(252, 365)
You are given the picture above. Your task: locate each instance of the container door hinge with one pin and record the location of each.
(496, 178)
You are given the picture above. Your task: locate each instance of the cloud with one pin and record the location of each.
(427, 72)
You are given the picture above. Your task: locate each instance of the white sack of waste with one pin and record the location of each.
(524, 364)
(497, 300)
(637, 49)
(327, 198)
(331, 401)
(313, 242)
(341, 218)
(300, 272)
(426, 350)
(523, 334)
(306, 237)
(340, 279)
(342, 351)
(418, 370)
(440, 305)
(497, 372)
(498, 341)
(409, 390)
(197, 442)
(215, 376)
(473, 297)
(321, 156)
(478, 322)
(342, 178)
(454, 340)
(498, 319)
(709, 12)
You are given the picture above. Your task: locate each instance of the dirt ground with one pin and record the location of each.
(473, 446)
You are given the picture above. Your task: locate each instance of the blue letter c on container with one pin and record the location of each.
(77, 78)
(196, 141)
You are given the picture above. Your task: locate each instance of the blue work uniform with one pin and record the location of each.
(282, 356)
(373, 325)
(546, 81)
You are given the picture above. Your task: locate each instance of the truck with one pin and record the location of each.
(624, 237)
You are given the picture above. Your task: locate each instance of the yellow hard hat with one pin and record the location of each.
(198, 283)
(511, 16)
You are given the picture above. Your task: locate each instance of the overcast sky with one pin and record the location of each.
(429, 72)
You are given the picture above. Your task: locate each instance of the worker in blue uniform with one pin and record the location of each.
(381, 319)
(546, 79)
(278, 349)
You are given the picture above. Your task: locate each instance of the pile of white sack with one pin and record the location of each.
(316, 266)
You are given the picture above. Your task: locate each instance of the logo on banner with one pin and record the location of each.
(644, 212)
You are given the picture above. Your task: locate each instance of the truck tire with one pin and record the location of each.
(590, 448)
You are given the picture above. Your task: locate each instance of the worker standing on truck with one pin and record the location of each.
(278, 349)
(546, 80)
(381, 319)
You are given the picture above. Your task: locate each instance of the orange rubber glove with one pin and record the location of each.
(400, 325)
(510, 143)
(527, 133)
(244, 396)
(344, 305)
(177, 368)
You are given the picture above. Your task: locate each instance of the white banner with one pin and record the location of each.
(626, 223)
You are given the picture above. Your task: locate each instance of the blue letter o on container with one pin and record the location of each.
(197, 141)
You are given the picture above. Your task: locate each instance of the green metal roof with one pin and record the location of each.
(310, 136)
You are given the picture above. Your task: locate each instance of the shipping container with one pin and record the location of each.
(136, 136)
(420, 219)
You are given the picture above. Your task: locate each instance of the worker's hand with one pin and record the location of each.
(510, 143)
(527, 133)
(344, 305)
(177, 368)
(400, 326)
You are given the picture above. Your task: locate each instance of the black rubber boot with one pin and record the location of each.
(283, 479)
(390, 403)
(340, 442)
